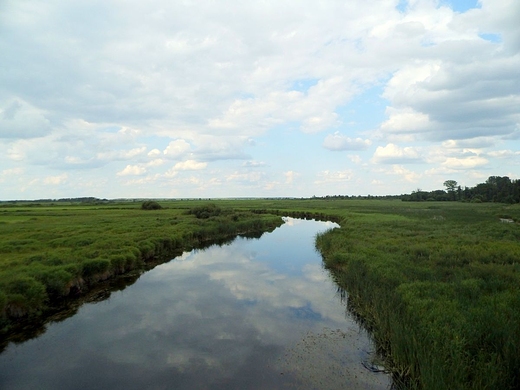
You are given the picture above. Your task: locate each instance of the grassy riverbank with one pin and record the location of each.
(439, 286)
(437, 283)
(50, 251)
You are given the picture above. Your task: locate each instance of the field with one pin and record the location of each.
(437, 283)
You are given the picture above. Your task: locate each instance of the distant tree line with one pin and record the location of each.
(494, 189)
(339, 197)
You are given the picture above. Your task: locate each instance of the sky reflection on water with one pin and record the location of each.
(253, 314)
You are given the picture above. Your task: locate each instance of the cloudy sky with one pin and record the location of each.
(256, 98)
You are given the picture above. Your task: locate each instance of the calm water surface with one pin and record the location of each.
(253, 314)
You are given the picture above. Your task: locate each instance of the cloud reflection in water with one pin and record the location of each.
(233, 316)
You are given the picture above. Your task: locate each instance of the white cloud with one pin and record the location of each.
(154, 153)
(454, 98)
(339, 141)
(503, 153)
(334, 176)
(254, 164)
(465, 163)
(405, 120)
(458, 86)
(177, 148)
(170, 173)
(393, 154)
(406, 174)
(197, 83)
(472, 143)
(314, 111)
(19, 119)
(132, 170)
(122, 154)
(215, 147)
(249, 177)
(10, 174)
(290, 176)
(155, 162)
(189, 165)
(55, 180)
(356, 159)
(12, 171)
(16, 152)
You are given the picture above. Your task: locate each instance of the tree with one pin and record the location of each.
(451, 186)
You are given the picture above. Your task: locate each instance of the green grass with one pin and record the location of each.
(50, 252)
(437, 283)
(440, 295)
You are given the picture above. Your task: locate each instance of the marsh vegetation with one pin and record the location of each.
(247, 314)
(52, 251)
(436, 283)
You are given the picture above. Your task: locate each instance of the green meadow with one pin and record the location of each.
(52, 251)
(436, 283)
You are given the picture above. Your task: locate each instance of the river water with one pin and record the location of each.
(252, 314)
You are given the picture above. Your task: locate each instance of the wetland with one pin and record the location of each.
(436, 284)
(251, 313)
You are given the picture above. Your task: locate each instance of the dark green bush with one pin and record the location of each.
(150, 205)
(206, 211)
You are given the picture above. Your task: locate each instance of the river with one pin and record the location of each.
(251, 314)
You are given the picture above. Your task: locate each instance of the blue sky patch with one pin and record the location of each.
(403, 4)
(495, 38)
(460, 5)
(365, 111)
(303, 85)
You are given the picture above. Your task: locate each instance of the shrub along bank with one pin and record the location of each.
(49, 252)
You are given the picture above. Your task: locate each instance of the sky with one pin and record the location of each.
(182, 99)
